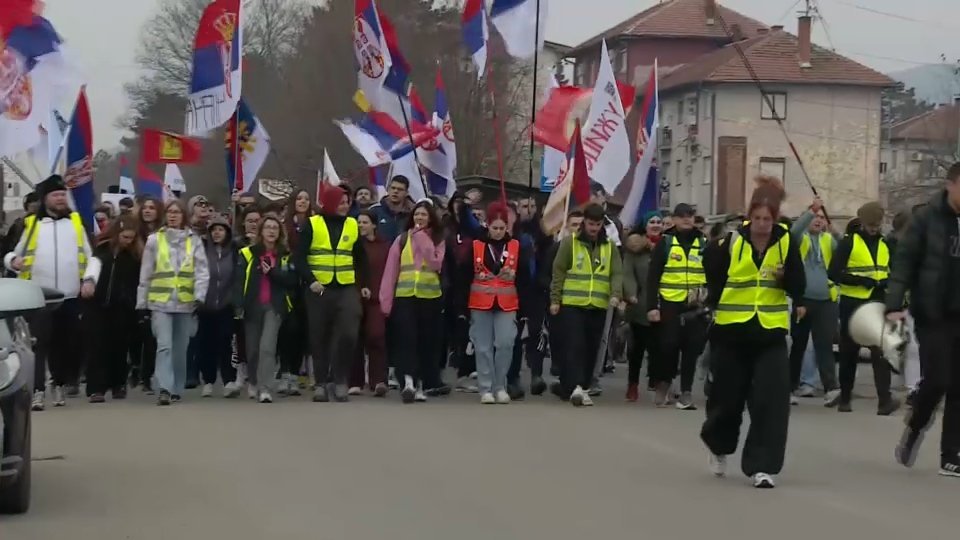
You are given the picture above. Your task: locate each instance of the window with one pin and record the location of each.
(680, 119)
(893, 159)
(776, 167)
(883, 167)
(779, 101)
(618, 58)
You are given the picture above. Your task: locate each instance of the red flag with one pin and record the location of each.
(580, 188)
(555, 119)
(166, 147)
(15, 13)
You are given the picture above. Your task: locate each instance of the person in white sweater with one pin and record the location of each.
(54, 252)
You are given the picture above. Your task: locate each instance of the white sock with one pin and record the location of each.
(408, 381)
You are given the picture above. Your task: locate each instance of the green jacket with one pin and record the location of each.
(564, 259)
(636, 264)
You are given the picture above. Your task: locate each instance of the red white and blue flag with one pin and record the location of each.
(247, 152)
(126, 181)
(371, 51)
(217, 67)
(516, 20)
(645, 191)
(573, 186)
(79, 175)
(149, 182)
(476, 33)
(440, 158)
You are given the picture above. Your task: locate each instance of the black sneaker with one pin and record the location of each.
(515, 391)
(97, 398)
(442, 390)
(557, 390)
(73, 390)
(537, 386)
(888, 407)
(408, 394)
(908, 447)
(164, 398)
(175, 398)
(950, 466)
(320, 394)
(119, 393)
(844, 406)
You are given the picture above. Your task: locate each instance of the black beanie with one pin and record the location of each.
(51, 184)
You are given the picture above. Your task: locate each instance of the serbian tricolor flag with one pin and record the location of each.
(370, 50)
(440, 155)
(645, 191)
(126, 181)
(476, 33)
(573, 186)
(516, 20)
(217, 67)
(168, 147)
(149, 182)
(247, 152)
(79, 175)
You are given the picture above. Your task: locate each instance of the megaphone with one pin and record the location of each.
(869, 327)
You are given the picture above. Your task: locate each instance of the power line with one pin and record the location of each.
(897, 16)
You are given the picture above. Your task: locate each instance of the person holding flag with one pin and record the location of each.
(54, 252)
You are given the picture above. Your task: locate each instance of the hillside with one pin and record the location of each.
(933, 83)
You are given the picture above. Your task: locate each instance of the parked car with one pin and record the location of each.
(17, 299)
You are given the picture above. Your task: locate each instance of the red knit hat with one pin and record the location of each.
(330, 197)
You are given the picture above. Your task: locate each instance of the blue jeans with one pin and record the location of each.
(173, 332)
(492, 333)
(810, 375)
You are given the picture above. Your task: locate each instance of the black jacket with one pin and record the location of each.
(922, 263)
(119, 278)
(283, 280)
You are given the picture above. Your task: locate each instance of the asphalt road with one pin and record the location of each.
(451, 468)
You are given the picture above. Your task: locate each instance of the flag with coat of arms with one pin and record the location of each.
(79, 175)
(217, 67)
(246, 152)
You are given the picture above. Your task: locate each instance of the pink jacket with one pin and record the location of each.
(424, 250)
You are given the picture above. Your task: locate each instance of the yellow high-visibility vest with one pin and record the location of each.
(327, 263)
(416, 282)
(167, 280)
(29, 256)
(861, 264)
(752, 291)
(247, 254)
(682, 272)
(588, 284)
(826, 248)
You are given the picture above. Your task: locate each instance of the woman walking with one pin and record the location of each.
(293, 331)
(143, 350)
(173, 281)
(371, 360)
(411, 296)
(636, 263)
(215, 317)
(750, 273)
(496, 268)
(262, 297)
(113, 313)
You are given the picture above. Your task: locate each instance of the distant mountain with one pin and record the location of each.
(934, 84)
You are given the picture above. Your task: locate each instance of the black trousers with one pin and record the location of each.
(114, 329)
(459, 336)
(641, 342)
(143, 349)
(214, 345)
(821, 322)
(293, 340)
(850, 356)
(535, 309)
(940, 361)
(57, 332)
(414, 323)
(680, 344)
(582, 332)
(757, 377)
(335, 319)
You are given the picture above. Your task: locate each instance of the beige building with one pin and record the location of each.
(718, 131)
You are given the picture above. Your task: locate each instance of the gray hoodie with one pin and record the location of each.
(814, 265)
(221, 259)
(177, 239)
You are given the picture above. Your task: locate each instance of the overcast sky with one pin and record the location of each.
(103, 35)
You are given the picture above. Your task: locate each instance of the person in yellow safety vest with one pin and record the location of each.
(676, 273)
(750, 274)
(174, 277)
(587, 280)
(817, 246)
(333, 265)
(861, 266)
(262, 299)
(411, 295)
(54, 252)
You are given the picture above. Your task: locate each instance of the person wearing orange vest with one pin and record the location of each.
(496, 271)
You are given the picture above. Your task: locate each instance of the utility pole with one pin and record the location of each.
(956, 105)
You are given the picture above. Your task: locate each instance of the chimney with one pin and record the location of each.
(710, 8)
(776, 28)
(804, 40)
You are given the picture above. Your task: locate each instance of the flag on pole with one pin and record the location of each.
(378, 180)
(440, 158)
(645, 192)
(566, 104)
(217, 67)
(476, 33)
(364, 143)
(370, 49)
(573, 186)
(167, 147)
(553, 159)
(79, 175)
(173, 179)
(126, 181)
(327, 176)
(516, 20)
(246, 153)
(605, 141)
(149, 183)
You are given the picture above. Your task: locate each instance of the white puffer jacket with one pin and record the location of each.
(56, 264)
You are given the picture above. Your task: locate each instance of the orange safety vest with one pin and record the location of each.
(487, 287)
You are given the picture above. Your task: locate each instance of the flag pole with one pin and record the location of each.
(416, 158)
(533, 106)
(66, 132)
(496, 132)
(237, 173)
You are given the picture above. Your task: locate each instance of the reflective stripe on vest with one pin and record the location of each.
(861, 264)
(826, 249)
(30, 227)
(488, 287)
(587, 285)
(166, 280)
(327, 263)
(413, 282)
(247, 254)
(682, 272)
(752, 291)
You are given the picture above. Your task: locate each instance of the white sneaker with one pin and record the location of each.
(58, 399)
(794, 400)
(718, 465)
(831, 398)
(392, 381)
(577, 397)
(265, 397)
(207, 391)
(465, 385)
(488, 399)
(37, 404)
(419, 395)
(503, 397)
(231, 390)
(806, 391)
(251, 391)
(354, 391)
(763, 481)
(587, 400)
(473, 375)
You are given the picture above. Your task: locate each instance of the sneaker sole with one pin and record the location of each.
(949, 474)
(576, 401)
(407, 396)
(764, 485)
(688, 407)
